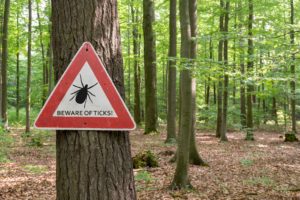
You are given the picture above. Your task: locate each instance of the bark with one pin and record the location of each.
(293, 72)
(91, 164)
(128, 59)
(137, 82)
(220, 60)
(181, 179)
(4, 63)
(171, 118)
(226, 77)
(250, 65)
(150, 68)
(28, 84)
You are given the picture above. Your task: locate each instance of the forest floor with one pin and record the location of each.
(267, 168)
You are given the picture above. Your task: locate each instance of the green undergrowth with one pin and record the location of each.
(145, 159)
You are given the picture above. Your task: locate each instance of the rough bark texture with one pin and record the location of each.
(181, 179)
(250, 64)
(150, 68)
(293, 72)
(220, 60)
(28, 84)
(171, 123)
(226, 77)
(4, 63)
(91, 164)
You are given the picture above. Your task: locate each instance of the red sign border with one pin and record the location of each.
(122, 122)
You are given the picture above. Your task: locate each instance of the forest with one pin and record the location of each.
(212, 86)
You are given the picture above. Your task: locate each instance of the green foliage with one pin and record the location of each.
(246, 162)
(291, 137)
(5, 142)
(260, 181)
(145, 159)
(35, 169)
(144, 176)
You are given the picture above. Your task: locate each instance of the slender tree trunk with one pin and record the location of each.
(194, 155)
(136, 49)
(181, 179)
(226, 77)
(2, 5)
(4, 63)
(250, 64)
(18, 68)
(150, 68)
(293, 72)
(45, 70)
(242, 69)
(91, 164)
(220, 60)
(171, 122)
(128, 59)
(215, 94)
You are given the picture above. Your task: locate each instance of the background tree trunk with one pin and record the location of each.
(226, 77)
(91, 164)
(18, 68)
(28, 85)
(293, 72)
(4, 63)
(136, 50)
(220, 60)
(171, 118)
(250, 64)
(150, 68)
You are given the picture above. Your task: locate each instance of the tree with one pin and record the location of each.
(250, 64)
(28, 85)
(171, 123)
(220, 60)
(181, 179)
(91, 164)
(150, 67)
(4, 63)
(137, 74)
(18, 68)
(293, 72)
(226, 76)
(242, 68)
(194, 156)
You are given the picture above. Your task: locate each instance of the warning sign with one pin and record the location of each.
(85, 98)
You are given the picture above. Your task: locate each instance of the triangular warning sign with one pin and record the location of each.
(85, 98)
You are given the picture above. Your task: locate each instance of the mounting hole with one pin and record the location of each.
(87, 49)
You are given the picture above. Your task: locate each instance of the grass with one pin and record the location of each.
(264, 181)
(246, 162)
(35, 169)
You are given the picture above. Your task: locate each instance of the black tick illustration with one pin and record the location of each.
(83, 93)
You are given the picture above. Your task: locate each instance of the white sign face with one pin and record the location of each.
(85, 98)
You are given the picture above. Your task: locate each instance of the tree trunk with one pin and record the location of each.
(137, 84)
(226, 77)
(293, 72)
(242, 69)
(181, 179)
(128, 59)
(91, 164)
(18, 68)
(150, 68)
(171, 118)
(250, 64)
(194, 155)
(220, 60)
(28, 85)
(4, 63)
(45, 70)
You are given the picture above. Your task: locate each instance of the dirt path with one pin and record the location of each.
(265, 169)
